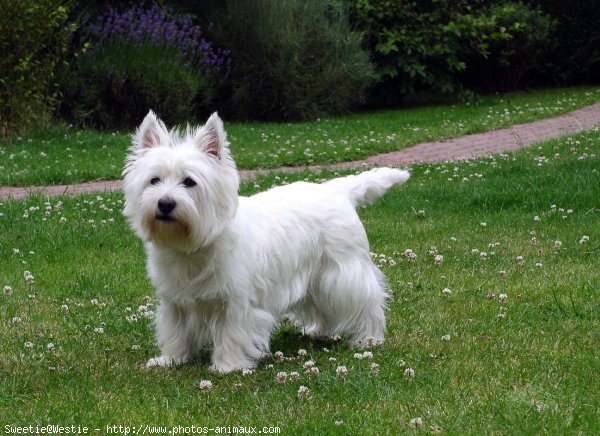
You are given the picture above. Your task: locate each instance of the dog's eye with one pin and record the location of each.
(189, 182)
(154, 181)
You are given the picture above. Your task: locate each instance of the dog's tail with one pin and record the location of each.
(365, 188)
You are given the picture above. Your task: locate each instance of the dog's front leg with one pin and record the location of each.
(242, 337)
(173, 335)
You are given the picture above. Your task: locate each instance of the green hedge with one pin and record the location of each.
(33, 41)
(292, 59)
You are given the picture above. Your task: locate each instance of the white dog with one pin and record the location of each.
(226, 268)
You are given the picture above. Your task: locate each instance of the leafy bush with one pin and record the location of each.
(418, 45)
(142, 59)
(574, 56)
(293, 59)
(33, 41)
(516, 37)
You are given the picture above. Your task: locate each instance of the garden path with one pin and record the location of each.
(476, 145)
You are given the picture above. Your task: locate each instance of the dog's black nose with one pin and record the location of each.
(166, 205)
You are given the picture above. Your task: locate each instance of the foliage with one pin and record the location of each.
(574, 56)
(33, 41)
(441, 45)
(516, 37)
(418, 45)
(293, 59)
(142, 59)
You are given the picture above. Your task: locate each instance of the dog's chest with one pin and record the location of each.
(184, 282)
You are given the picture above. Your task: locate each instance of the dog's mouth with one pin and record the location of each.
(165, 218)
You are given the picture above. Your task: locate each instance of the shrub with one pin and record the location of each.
(142, 59)
(516, 37)
(417, 45)
(33, 41)
(293, 59)
(574, 56)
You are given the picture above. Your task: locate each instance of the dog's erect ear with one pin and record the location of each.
(151, 133)
(212, 137)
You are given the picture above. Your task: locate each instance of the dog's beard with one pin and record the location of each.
(178, 230)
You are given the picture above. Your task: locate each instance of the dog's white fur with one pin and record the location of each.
(226, 268)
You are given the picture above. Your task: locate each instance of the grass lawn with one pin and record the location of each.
(63, 155)
(510, 348)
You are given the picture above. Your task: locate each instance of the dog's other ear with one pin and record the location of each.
(212, 137)
(151, 133)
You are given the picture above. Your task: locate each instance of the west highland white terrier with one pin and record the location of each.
(226, 268)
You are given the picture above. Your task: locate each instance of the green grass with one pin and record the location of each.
(531, 370)
(62, 155)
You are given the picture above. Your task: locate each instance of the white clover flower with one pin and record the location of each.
(99, 330)
(438, 259)
(135, 347)
(521, 260)
(374, 368)
(446, 338)
(557, 244)
(358, 356)
(246, 371)
(341, 371)
(483, 255)
(294, 375)
(483, 224)
(416, 422)
(16, 320)
(303, 392)
(50, 347)
(368, 355)
(7, 290)
(28, 345)
(29, 278)
(205, 385)
(391, 262)
(502, 297)
(302, 352)
(281, 377)
(446, 292)
(421, 213)
(332, 359)
(474, 251)
(309, 364)
(94, 301)
(338, 421)
(537, 219)
(502, 273)
(584, 239)
(409, 373)
(279, 356)
(538, 264)
(312, 370)
(64, 308)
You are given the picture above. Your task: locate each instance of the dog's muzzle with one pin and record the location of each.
(166, 206)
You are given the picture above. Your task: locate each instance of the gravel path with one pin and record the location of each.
(480, 144)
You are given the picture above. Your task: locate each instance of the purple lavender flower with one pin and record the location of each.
(156, 26)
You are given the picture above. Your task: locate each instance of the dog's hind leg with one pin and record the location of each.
(350, 295)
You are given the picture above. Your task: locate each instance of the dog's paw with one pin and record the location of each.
(225, 367)
(162, 361)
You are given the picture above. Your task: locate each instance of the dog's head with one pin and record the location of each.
(180, 187)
